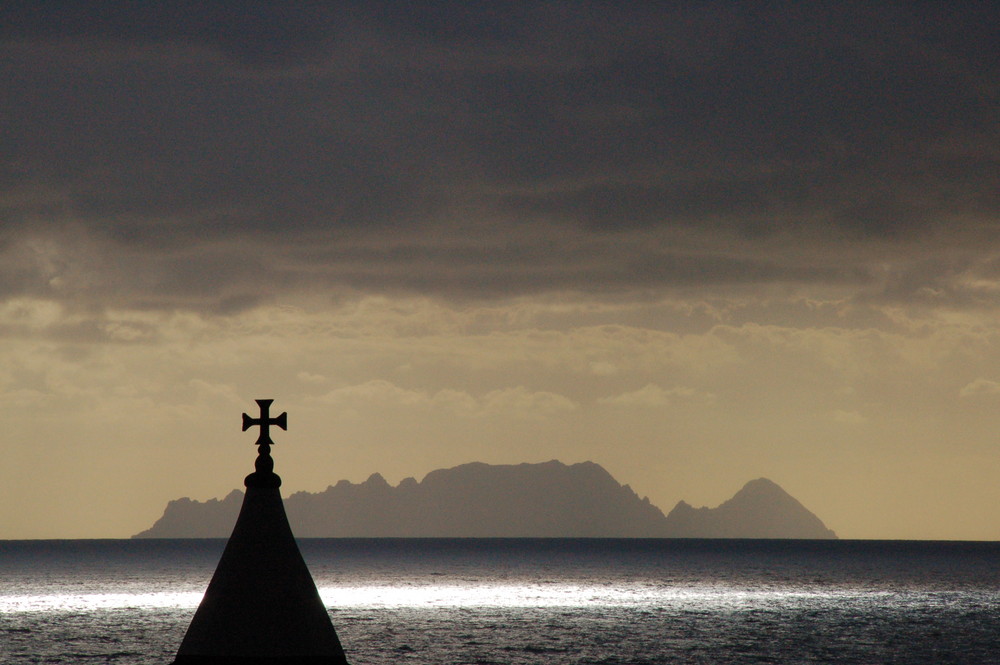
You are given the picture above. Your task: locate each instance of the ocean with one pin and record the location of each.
(514, 601)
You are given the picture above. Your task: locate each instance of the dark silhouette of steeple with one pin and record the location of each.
(262, 606)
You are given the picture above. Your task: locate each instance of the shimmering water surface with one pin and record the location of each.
(533, 601)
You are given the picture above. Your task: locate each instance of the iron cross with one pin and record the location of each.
(264, 422)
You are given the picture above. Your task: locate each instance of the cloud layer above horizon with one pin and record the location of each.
(685, 241)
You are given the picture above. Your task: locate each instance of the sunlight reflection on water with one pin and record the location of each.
(86, 602)
(551, 595)
(708, 597)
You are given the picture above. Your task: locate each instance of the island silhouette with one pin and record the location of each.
(549, 499)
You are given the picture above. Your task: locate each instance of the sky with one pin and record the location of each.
(696, 243)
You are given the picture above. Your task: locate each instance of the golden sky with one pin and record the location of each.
(696, 245)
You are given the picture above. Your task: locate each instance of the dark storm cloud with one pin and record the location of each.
(492, 269)
(286, 127)
(258, 33)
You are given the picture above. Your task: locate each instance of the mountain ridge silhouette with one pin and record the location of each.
(548, 499)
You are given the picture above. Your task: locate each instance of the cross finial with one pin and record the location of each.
(264, 422)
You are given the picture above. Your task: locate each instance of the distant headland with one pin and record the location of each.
(549, 499)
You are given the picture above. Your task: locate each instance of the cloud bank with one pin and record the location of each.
(214, 157)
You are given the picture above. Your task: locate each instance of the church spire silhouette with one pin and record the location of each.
(262, 606)
(264, 475)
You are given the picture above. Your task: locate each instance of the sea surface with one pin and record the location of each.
(515, 601)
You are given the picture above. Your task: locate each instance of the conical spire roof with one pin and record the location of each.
(262, 606)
